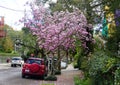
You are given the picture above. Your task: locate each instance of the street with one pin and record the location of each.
(12, 76)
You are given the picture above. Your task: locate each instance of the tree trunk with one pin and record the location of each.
(67, 56)
(59, 59)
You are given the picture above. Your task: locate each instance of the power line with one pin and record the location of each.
(11, 9)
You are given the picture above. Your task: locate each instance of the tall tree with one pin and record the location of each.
(59, 29)
(85, 6)
(8, 45)
(29, 44)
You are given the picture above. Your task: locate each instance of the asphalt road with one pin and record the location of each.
(12, 76)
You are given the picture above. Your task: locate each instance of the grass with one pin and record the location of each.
(79, 81)
(9, 54)
(4, 56)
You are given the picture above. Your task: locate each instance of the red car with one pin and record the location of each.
(34, 67)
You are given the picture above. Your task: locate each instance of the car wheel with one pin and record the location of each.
(20, 65)
(15, 65)
(11, 65)
(43, 76)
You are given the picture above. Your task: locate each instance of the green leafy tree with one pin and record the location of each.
(8, 45)
(29, 43)
(1, 44)
(11, 35)
(84, 5)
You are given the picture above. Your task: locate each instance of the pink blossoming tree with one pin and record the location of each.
(58, 30)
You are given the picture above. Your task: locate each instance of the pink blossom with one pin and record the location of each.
(58, 29)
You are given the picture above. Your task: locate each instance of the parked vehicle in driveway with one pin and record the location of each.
(63, 65)
(34, 67)
(17, 61)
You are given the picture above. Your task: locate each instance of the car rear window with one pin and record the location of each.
(30, 61)
(16, 59)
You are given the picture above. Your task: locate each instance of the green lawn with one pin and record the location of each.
(9, 54)
(4, 56)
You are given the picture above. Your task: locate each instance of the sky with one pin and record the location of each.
(13, 11)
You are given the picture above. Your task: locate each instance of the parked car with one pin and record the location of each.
(63, 65)
(17, 61)
(34, 67)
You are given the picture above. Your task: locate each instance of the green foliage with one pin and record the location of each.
(78, 55)
(8, 45)
(78, 81)
(112, 45)
(29, 43)
(101, 68)
(114, 38)
(14, 52)
(51, 78)
(83, 5)
(99, 45)
(117, 77)
(9, 54)
(100, 62)
(57, 72)
(75, 65)
(84, 64)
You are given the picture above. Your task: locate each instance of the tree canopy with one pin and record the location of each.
(59, 29)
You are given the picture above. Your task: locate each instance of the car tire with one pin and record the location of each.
(15, 65)
(20, 65)
(43, 76)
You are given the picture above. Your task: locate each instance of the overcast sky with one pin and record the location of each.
(13, 11)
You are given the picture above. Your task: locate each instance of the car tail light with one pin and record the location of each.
(24, 66)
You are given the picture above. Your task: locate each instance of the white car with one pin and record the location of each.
(63, 65)
(17, 61)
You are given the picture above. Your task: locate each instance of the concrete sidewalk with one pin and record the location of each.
(70, 68)
(5, 65)
(66, 77)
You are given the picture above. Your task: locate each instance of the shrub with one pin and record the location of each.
(57, 72)
(78, 81)
(100, 62)
(117, 76)
(101, 68)
(51, 78)
(75, 64)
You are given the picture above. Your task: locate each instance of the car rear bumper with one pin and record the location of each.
(40, 73)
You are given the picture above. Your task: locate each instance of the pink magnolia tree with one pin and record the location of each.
(58, 29)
